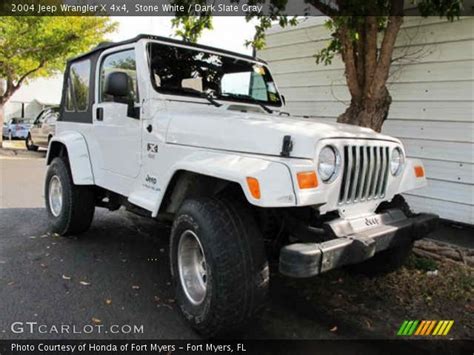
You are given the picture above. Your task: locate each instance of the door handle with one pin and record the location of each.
(149, 128)
(100, 114)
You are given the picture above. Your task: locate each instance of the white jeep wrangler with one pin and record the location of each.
(197, 136)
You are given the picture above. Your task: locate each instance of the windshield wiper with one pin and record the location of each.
(250, 98)
(204, 95)
(209, 98)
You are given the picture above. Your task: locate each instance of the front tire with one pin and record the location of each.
(70, 207)
(29, 144)
(219, 265)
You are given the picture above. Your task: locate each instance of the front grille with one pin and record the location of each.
(365, 172)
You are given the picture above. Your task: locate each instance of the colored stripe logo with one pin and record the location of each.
(425, 328)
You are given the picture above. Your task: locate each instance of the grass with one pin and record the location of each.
(377, 306)
(422, 264)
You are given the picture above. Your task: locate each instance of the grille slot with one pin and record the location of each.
(365, 170)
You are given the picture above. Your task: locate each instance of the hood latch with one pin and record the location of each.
(287, 146)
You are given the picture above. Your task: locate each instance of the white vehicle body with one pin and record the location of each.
(239, 181)
(221, 142)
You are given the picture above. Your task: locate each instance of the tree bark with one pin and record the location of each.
(1, 124)
(367, 73)
(3, 89)
(369, 111)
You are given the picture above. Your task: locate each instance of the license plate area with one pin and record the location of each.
(344, 227)
(376, 220)
(365, 223)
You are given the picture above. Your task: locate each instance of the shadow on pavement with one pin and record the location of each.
(118, 273)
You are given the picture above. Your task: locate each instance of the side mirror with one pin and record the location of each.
(117, 84)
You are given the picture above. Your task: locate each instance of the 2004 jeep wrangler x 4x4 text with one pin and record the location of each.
(197, 136)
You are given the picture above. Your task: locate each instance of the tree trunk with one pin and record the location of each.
(1, 124)
(369, 111)
(367, 69)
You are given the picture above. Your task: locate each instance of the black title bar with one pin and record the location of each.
(198, 7)
(155, 8)
(241, 347)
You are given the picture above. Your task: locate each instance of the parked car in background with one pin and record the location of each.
(16, 128)
(43, 129)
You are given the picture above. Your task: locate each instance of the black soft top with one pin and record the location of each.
(104, 46)
(92, 57)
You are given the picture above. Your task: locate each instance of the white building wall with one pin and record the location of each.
(432, 88)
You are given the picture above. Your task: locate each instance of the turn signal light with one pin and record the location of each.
(254, 187)
(307, 180)
(419, 171)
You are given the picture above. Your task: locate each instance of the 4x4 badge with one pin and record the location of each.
(152, 148)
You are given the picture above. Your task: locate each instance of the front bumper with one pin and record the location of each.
(354, 243)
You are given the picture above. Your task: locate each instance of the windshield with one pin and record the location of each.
(193, 72)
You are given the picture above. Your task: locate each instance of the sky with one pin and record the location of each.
(229, 33)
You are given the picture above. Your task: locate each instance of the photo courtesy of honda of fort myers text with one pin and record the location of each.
(236, 177)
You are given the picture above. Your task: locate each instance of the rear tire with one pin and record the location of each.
(389, 260)
(70, 207)
(29, 144)
(236, 275)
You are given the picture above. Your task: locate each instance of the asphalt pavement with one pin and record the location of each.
(115, 278)
(113, 282)
(116, 274)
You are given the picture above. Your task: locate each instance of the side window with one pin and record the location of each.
(258, 87)
(69, 101)
(245, 83)
(119, 62)
(78, 86)
(52, 117)
(236, 83)
(40, 117)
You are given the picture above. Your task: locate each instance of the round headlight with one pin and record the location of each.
(328, 163)
(396, 161)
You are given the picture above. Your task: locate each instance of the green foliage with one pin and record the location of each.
(354, 25)
(81, 90)
(326, 55)
(190, 25)
(420, 263)
(265, 22)
(448, 8)
(190, 28)
(39, 46)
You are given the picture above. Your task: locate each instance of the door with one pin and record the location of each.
(48, 128)
(35, 130)
(117, 121)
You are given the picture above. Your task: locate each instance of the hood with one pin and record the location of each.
(254, 133)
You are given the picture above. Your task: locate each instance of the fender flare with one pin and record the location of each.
(276, 184)
(78, 156)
